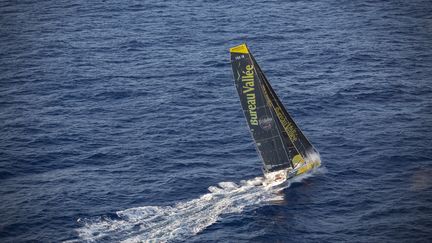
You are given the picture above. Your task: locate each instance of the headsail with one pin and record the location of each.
(278, 139)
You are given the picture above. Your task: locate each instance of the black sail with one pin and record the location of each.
(278, 139)
(290, 129)
(259, 114)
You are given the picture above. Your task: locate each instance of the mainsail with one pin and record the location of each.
(279, 141)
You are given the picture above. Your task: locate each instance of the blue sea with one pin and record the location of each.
(120, 122)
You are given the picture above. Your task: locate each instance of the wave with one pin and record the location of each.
(184, 219)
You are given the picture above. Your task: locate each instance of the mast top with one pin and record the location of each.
(240, 49)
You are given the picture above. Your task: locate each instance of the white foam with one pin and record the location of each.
(164, 223)
(313, 157)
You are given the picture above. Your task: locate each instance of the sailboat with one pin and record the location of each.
(284, 149)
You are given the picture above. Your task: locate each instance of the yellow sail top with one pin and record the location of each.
(240, 49)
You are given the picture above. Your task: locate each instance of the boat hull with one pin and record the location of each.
(302, 169)
(280, 177)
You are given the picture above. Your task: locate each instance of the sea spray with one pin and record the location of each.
(184, 219)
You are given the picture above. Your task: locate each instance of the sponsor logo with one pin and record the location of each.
(266, 123)
(288, 126)
(249, 90)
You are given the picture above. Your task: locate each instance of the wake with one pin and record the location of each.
(184, 219)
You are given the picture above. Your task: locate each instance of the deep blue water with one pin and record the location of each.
(120, 121)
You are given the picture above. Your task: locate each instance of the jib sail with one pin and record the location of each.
(278, 139)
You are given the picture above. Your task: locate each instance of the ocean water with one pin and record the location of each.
(119, 121)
